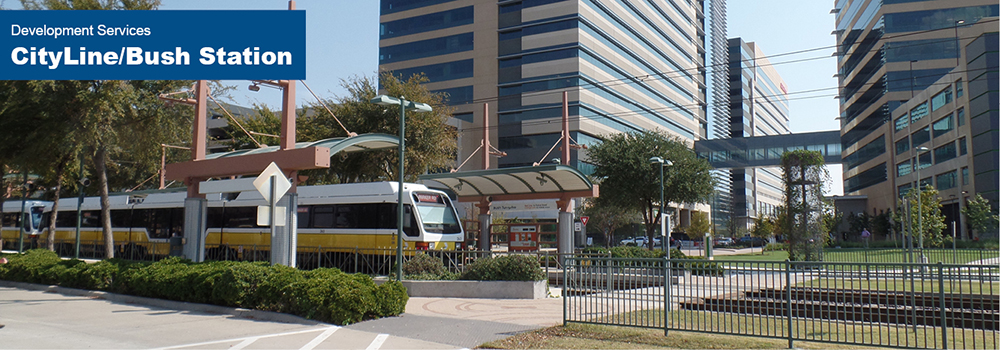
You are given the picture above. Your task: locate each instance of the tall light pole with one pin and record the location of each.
(660, 162)
(384, 100)
(920, 200)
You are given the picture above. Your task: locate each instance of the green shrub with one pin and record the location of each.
(239, 284)
(32, 267)
(699, 266)
(330, 295)
(327, 295)
(504, 268)
(426, 267)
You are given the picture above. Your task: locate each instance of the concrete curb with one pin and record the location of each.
(249, 314)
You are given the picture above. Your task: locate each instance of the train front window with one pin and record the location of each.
(436, 213)
(36, 216)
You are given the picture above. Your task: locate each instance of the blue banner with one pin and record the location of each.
(153, 45)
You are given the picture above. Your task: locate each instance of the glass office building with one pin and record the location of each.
(888, 52)
(627, 66)
(758, 106)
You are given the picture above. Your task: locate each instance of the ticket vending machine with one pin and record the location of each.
(523, 237)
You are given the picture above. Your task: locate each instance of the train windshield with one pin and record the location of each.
(36, 217)
(436, 213)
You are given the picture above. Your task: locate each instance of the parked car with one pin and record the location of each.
(724, 242)
(753, 241)
(639, 242)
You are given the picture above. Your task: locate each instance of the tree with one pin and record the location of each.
(980, 216)
(118, 124)
(607, 218)
(925, 216)
(630, 181)
(700, 225)
(763, 228)
(804, 174)
(431, 144)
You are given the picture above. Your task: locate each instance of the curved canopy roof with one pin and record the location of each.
(532, 182)
(305, 155)
(358, 143)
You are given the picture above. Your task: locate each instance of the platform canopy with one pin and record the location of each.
(521, 183)
(306, 155)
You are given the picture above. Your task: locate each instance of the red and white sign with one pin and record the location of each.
(584, 220)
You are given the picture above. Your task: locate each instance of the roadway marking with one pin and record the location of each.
(244, 344)
(251, 339)
(319, 338)
(377, 343)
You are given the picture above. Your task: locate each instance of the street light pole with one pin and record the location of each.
(920, 206)
(664, 244)
(384, 100)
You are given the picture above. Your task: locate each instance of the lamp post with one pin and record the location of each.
(384, 100)
(665, 244)
(920, 213)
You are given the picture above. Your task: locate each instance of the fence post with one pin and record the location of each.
(788, 300)
(943, 318)
(666, 294)
(566, 283)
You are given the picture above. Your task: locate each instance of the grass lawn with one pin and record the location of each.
(960, 287)
(587, 336)
(874, 256)
(834, 335)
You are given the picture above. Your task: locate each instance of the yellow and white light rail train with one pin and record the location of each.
(330, 218)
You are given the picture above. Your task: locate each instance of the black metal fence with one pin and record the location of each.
(886, 304)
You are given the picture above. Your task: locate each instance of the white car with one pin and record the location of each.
(639, 242)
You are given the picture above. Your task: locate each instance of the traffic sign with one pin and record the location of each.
(584, 220)
(264, 216)
(263, 183)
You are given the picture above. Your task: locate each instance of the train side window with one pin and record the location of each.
(91, 218)
(176, 221)
(303, 217)
(323, 216)
(10, 219)
(215, 218)
(66, 219)
(241, 217)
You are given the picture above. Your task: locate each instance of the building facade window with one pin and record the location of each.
(959, 88)
(921, 136)
(903, 145)
(439, 72)
(962, 147)
(902, 122)
(918, 112)
(924, 160)
(940, 99)
(904, 168)
(965, 176)
(943, 126)
(426, 48)
(960, 115)
(426, 23)
(947, 180)
(944, 153)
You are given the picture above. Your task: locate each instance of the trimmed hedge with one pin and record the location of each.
(504, 268)
(326, 295)
(426, 267)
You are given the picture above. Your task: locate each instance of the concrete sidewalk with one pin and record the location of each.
(468, 322)
(428, 323)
